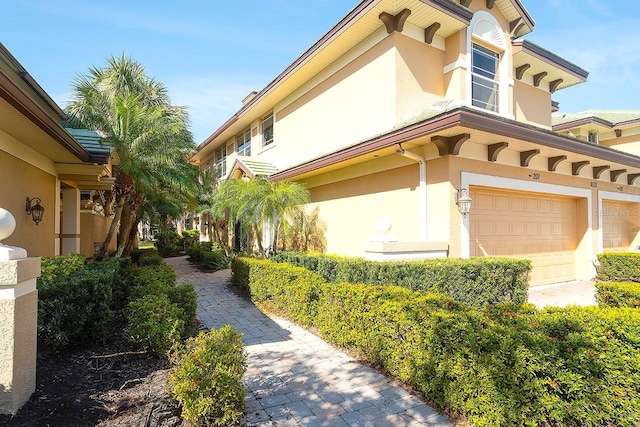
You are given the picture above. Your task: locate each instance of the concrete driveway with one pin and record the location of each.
(563, 294)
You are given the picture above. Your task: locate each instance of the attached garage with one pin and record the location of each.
(620, 225)
(537, 226)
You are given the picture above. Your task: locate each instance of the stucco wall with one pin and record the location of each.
(349, 106)
(351, 208)
(93, 228)
(419, 80)
(21, 180)
(532, 105)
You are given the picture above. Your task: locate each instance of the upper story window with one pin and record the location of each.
(485, 83)
(594, 137)
(488, 53)
(244, 143)
(267, 130)
(220, 162)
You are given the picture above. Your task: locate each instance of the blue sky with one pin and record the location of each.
(212, 53)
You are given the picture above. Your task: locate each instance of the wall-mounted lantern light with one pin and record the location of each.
(463, 201)
(36, 211)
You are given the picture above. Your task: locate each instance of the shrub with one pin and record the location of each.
(207, 378)
(612, 294)
(168, 243)
(507, 364)
(212, 260)
(190, 239)
(154, 322)
(76, 302)
(150, 257)
(618, 267)
(56, 268)
(473, 281)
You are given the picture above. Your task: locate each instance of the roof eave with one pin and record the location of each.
(22, 102)
(469, 118)
(550, 57)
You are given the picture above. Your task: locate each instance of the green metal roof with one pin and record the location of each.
(609, 118)
(90, 140)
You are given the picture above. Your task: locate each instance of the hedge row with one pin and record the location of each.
(210, 259)
(507, 364)
(473, 281)
(618, 267)
(79, 302)
(613, 294)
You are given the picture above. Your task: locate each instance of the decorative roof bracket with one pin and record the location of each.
(394, 22)
(495, 149)
(527, 156)
(450, 145)
(555, 161)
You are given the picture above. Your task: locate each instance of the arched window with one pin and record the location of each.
(487, 49)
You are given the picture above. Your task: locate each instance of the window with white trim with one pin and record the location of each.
(220, 162)
(267, 130)
(485, 83)
(244, 143)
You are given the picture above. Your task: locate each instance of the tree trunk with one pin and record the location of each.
(130, 213)
(132, 240)
(102, 252)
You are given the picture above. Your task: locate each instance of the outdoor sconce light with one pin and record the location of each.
(463, 201)
(36, 211)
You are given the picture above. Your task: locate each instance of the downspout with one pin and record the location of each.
(422, 162)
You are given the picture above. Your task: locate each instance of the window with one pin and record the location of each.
(244, 143)
(220, 162)
(594, 137)
(267, 130)
(485, 86)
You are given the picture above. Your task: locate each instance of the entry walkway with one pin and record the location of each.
(296, 379)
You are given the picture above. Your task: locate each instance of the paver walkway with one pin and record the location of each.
(296, 379)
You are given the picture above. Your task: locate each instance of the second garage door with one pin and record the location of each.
(537, 226)
(619, 225)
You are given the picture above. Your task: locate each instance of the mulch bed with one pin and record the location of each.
(111, 385)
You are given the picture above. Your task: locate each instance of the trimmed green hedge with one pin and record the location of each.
(618, 267)
(613, 294)
(78, 302)
(507, 364)
(474, 281)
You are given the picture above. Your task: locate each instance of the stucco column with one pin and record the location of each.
(70, 235)
(18, 321)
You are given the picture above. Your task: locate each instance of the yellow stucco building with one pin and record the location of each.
(40, 159)
(402, 107)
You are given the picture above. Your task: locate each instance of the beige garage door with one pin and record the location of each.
(537, 226)
(619, 225)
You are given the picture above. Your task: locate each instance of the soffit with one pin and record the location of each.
(336, 43)
(543, 61)
(512, 11)
(24, 130)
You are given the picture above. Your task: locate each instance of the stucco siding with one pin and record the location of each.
(22, 180)
(419, 80)
(351, 208)
(349, 106)
(532, 105)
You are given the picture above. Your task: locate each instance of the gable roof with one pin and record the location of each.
(251, 168)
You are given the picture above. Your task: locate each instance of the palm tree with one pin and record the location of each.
(259, 205)
(148, 136)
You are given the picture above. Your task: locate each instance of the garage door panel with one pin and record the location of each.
(619, 225)
(536, 226)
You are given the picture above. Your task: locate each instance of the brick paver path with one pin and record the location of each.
(296, 379)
